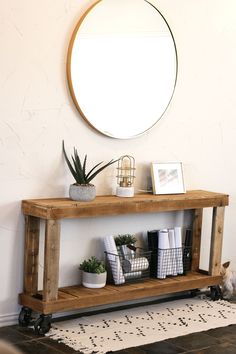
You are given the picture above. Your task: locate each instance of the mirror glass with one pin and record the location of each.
(122, 67)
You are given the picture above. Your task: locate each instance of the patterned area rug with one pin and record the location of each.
(142, 325)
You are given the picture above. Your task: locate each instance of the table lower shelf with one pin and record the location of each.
(77, 297)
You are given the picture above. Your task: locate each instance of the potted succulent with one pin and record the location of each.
(82, 189)
(125, 245)
(94, 273)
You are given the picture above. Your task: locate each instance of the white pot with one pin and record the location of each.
(82, 192)
(93, 280)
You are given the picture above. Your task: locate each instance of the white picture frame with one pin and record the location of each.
(167, 178)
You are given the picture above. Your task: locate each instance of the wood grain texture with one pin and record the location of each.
(32, 225)
(216, 240)
(196, 242)
(77, 297)
(51, 260)
(59, 208)
(70, 298)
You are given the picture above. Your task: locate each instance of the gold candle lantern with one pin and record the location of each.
(125, 176)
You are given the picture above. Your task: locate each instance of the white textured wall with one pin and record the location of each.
(36, 113)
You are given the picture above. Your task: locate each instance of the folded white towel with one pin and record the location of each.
(135, 264)
(132, 275)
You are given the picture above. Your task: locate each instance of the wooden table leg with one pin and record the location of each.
(51, 260)
(216, 240)
(196, 244)
(31, 254)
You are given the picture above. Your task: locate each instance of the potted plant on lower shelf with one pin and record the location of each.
(82, 189)
(94, 273)
(125, 245)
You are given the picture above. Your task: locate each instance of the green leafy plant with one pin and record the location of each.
(93, 265)
(78, 168)
(126, 239)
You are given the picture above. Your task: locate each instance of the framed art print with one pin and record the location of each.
(167, 178)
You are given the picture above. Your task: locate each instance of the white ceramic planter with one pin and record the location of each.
(82, 192)
(93, 280)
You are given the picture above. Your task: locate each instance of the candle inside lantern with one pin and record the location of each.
(125, 176)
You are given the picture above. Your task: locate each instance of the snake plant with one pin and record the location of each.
(78, 168)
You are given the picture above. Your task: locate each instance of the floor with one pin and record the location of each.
(217, 341)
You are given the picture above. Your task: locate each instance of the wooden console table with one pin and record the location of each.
(51, 299)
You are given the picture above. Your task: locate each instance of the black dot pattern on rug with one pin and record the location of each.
(149, 315)
(190, 307)
(140, 332)
(128, 319)
(112, 331)
(170, 311)
(222, 314)
(81, 327)
(202, 318)
(182, 322)
(162, 327)
(93, 341)
(118, 337)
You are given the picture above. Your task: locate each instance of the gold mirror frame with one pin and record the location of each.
(74, 95)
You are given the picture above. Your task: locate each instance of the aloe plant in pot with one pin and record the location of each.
(82, 189)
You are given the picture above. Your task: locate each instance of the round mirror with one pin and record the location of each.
(122, 67)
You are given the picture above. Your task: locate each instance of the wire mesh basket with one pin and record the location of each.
(170, 262)
(128, 265)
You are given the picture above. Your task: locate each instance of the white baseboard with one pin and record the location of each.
(9, 319)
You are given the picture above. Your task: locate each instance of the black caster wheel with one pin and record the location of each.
(25, 316)
(43, 324)
(216, 293)
(193, 292)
